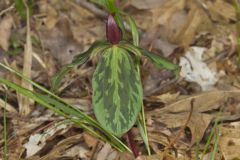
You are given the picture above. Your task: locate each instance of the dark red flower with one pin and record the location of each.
(113, 32)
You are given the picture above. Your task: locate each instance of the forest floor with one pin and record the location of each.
(196, 116)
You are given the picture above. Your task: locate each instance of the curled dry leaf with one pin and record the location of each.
(195, 70)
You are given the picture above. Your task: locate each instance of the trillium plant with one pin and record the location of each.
(117, 88)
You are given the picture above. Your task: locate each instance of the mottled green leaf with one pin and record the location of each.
(117, 91)
(95, 48)
(157, 60)
(161, 62)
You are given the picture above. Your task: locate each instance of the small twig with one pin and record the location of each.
(180, 131)
(6, 10)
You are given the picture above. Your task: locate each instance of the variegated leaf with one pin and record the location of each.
(96, 47)
(117, 91)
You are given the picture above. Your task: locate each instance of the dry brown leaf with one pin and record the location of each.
(15, 147)
(59, 40)
(166, 98)
(156, 157)
(204, 101)
(165, 47)
(103, 153)
(178, 25)
(230, 141)
(5, 31)
(90, 140)
(178, 120)
(9, 107)
(221, 11)
(175, 114)
(198, 125)
(197, 20)
(164, 15)
(147, 4)
(51, 14)
(62, 146)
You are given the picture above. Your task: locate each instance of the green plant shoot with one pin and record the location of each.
(117, 88)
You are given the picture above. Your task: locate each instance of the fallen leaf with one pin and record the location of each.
(37, 141)
(195, 70)
(221, 11)
(8, 106)
(197, 20)
(175, 114)
(60, 41)
(203, 102)
(90, 140)
(230, 141)
(103, 153)
(147, 4)
(165, 47)
(5, 31)
(166, 98)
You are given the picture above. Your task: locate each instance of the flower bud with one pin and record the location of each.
(113, 32)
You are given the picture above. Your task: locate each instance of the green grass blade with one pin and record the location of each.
(143, 130)
(209, 138)
(120, 23)
(112, 139)
(63, 110)
(134, 30)
(217, 139)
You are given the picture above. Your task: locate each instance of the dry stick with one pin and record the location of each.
(180, 131)
(24, 102)
(6, 10)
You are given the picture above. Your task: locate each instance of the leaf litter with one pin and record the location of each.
(199, 35)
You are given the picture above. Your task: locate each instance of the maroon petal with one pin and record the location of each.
(114, 34)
